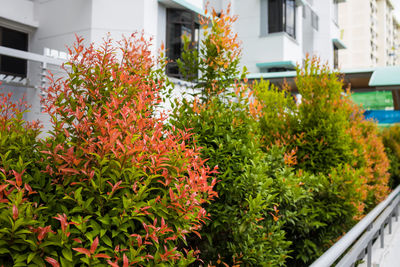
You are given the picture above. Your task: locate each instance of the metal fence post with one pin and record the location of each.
(43, 82)
(369, 252)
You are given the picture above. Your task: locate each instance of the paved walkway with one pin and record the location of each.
(389, 256)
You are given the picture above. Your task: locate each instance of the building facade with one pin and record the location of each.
(371, 33)
(34, 35)
(276, 34)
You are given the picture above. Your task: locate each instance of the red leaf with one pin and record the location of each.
(15, 212)
(29, 189)
(102, 255)
(70, 170)
(113, 264)
(2, 187)
(126, 262)
(43, 231)
(94, 245)
(18, 177)
(52, 261)
(77, 240)
(83, 251)
(63, 221)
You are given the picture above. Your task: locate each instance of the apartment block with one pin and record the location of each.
(278, 34)
(396, 39)
(370, 32)
(34, 35)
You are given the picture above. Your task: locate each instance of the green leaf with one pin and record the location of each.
(4, 251)
(67, 253)
(31, 256)
(65, 262)
(107, 240)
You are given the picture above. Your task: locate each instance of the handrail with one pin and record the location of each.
(333, 253)
(11, 52)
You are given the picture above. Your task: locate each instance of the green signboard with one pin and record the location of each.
(374, 100)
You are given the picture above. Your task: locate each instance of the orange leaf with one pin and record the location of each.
(52, 261)
(94, 245)
(15, 212)
(126, 262)
(83, 251)
(102, 255)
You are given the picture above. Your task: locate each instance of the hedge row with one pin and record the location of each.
(238, 175)
(293, 175)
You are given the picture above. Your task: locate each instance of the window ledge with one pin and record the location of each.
(279, 34)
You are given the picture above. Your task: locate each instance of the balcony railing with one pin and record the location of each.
(38, 65)
(357, 243)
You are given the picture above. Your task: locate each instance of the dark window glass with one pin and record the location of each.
(17, 40)
(179, 23)
(282, 16)
(335, 57)
(275, 13)
(290, 17)
(314, 20)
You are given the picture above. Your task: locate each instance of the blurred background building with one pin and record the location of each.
(371, 32)
(356, 36)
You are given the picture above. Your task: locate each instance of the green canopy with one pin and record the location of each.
(374, 100)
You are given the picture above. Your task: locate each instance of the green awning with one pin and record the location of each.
(385, 77)
(271, 75)
(338, 43)
(277, 64)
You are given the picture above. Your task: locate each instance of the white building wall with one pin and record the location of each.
(20, 11)
(369, 33)
(122, 17)
(276, 47)
(59, 21)
(54, 23)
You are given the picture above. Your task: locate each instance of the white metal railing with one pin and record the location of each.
(6, 51)
(354, 245)
(38, 65)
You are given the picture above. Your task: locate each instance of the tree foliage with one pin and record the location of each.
(117, 187)
(326, 136)
(244, 226)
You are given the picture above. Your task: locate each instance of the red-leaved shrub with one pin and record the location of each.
(116, 186)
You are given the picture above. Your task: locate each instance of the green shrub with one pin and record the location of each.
(244, 226)
(113, 185)
(391, 140)
(18, 171)
(336, 153)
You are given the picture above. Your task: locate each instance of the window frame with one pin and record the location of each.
(277, 11)
(178, 22)
(24, 69)
(335, 57)
(314, 20)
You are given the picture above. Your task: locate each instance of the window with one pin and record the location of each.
(314, 20)
(17, 40)
(336, 11)
(282, 16)
(179, 23)
(335, 57)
